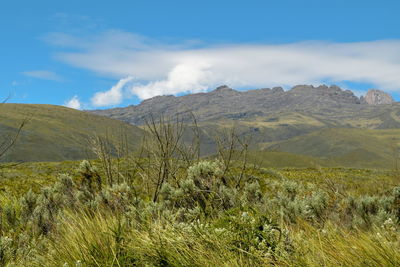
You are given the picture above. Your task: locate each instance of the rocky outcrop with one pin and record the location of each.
(323, 95)
(377, 97)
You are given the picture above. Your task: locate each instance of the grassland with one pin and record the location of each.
(60, 214)
(55, 133)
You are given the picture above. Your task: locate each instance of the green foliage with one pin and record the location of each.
(286, 217)
(203, 189)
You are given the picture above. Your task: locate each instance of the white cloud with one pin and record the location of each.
(111, 97)
(173, 69)
(189, 77)
(43, 74)
(73, 103)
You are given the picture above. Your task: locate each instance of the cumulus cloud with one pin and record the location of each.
(43, 74)
(173, 69)
(73, 103)
(188, 77)
(112, 96)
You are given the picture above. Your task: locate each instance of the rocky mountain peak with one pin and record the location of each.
(156, 100)
(277, 89)
(377, 97)
(323, 94)
(223, 88)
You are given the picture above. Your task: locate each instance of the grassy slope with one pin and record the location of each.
(57, 133)
(368, 148)
(305, 143)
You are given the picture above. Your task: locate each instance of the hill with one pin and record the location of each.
(56, 133)
(329, 125)
(347, 147)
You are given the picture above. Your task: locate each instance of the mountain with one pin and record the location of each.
(329, 124)
(55, 133)
(268, 115)
(225, 102)
(332, 103)
(378, 97)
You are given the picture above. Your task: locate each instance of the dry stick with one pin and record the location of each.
(152, 126)
(227, 159)
(230, 150)
(101, 149)
(192, 152)
(244, 165)
(167, 135)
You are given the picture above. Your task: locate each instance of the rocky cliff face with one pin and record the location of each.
(377, 97)
(225, 102)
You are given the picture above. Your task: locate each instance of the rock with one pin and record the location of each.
(378, 97)
(223, 88)
(277, 89)
(324, 95)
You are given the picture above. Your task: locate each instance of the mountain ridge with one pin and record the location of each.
(225, 102)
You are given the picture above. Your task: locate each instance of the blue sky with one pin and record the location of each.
(102, 54)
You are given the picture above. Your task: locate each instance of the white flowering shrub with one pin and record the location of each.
(27, 204)
(206, 174)
(119, 197)
(203, 189)
(255, 233)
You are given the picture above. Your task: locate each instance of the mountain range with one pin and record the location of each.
(227, 103)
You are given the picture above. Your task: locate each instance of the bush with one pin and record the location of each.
(203, 218)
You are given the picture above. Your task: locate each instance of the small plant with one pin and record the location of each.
(28, 204)
(396, 202)
(6, 250)
(91, 180)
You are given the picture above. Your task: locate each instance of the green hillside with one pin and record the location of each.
(56, 133)
(367, 148)
(303, 143)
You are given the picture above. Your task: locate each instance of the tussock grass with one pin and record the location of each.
(260, 217)
(333, 246)
(106, 240)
